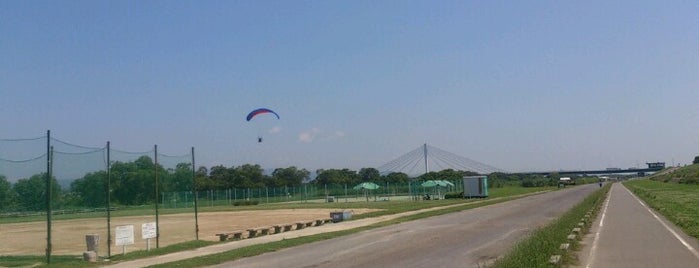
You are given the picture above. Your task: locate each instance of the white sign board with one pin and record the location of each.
(124, 235)
(149, 230)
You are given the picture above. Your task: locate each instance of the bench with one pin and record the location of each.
(236, 235)
(252, 233)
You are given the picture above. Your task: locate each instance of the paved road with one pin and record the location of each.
(629, 234)
(470, 238)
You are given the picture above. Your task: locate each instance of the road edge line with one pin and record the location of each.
(601, 224)
(677, 236)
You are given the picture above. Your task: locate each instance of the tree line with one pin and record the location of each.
(133, 183)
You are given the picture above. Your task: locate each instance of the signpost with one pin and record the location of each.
(123, 237)
(149, 230)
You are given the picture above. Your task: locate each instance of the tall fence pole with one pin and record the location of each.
(49, 158)
(157, 223)
(194, 190)
(109, 211)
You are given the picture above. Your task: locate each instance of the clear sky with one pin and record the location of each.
(519, 85)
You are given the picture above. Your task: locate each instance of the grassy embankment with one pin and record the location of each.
(391, 207)
(677, 202)
(535, 250)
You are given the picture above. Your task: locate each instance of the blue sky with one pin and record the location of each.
(519, 85)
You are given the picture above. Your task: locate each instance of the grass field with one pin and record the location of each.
(677, 202)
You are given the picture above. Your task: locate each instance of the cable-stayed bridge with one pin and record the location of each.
(428, 158)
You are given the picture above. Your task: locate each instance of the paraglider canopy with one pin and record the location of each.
(260, 111)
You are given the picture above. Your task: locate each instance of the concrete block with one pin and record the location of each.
(576, 230)
(555, 259)
(90, 256)
(564, 246)
(572, 237)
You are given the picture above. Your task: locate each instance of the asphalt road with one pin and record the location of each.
(629, 234)
(471, 238)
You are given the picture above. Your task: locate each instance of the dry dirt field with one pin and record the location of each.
(69, 235)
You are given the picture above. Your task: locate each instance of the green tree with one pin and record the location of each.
(203, 181)
(396, 177)
(336, 176)
(90, 190)
(133, 183)
(221, 177)
(249, 176)
(6, 194)
(179, 180)
(31, 193)
(369, 174)
(289, 177)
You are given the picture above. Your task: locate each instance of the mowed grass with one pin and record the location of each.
(679, 203)
(535, 250)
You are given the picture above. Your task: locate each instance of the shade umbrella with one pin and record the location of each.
(366, 186)
(444, 183)
(429, 183)
(436, 183)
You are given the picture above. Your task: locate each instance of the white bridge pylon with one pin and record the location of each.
(425, 158)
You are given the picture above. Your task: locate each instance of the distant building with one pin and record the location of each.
(658, 165)
(565, 180)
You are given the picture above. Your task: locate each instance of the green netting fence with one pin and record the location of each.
(307, 193)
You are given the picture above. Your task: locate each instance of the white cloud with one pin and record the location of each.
(339, 133)
(275, 130)
(309, 136)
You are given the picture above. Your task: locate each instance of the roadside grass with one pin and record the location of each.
(497, 195)
(677, 202)
(536, 249)
(68, 261)
(686, 174)
(40, 261)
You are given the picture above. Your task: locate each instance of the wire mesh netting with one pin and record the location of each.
(79, 201)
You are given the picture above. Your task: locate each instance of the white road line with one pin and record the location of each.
(601, 224)
(687, 245)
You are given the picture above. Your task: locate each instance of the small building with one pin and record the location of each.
(475, 186)
(656, 165)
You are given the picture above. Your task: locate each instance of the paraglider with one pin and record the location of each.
(258, 112)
